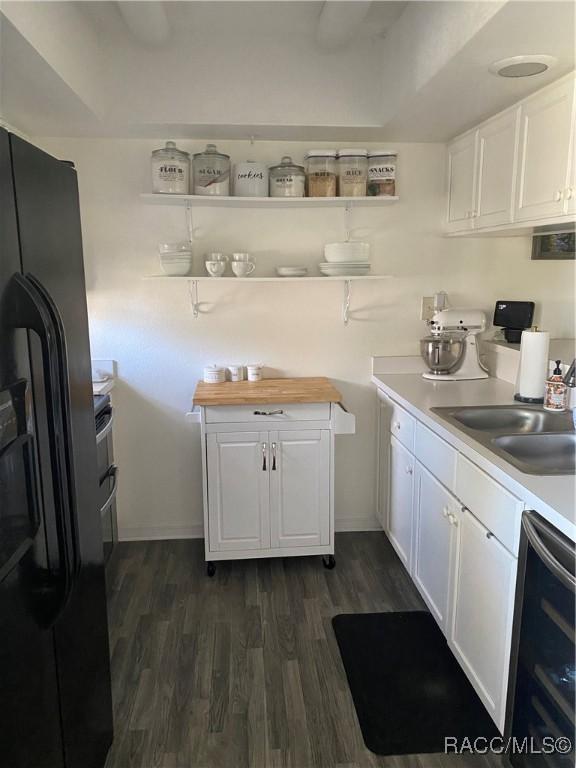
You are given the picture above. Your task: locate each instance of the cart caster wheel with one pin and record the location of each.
(329, 562)
(210, 569)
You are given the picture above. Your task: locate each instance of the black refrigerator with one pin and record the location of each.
(55, 692)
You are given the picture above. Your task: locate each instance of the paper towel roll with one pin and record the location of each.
(533, 366)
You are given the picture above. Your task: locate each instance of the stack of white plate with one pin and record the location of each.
(345, 269)
(291, 271)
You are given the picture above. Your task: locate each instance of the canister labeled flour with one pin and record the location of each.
(382, 173)
(170, 170)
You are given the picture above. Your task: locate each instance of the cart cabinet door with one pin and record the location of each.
(238, 490)
(300, 488)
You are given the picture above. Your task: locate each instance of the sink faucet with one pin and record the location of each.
(570, 381)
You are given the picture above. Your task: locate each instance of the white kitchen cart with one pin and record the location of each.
(268, 467)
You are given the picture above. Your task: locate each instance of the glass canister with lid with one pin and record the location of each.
(170, 170)
(287, 179)
(352, 172)
(211, 172)
(321, 173)
(382, 173)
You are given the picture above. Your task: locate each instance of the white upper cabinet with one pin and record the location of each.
(496, 171)
(299, 479)
(546, 132)
(518, 168)
(461, 182)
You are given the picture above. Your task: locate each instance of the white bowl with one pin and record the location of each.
(347, 251)
(176, 268)
(291, 271)
(180, 247)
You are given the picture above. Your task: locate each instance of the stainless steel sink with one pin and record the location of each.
(512, 419)
(547, 454)
(533, 440)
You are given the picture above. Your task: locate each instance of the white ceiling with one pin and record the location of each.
(412, 71)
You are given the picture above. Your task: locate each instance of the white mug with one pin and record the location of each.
(215, 268)
(243, 268)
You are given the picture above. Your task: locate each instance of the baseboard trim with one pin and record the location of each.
(162, 532)
(349, 524)
(159, 532)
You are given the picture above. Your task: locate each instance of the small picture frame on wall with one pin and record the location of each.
(554, 246)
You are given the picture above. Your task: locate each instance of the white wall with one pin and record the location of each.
(295, 329)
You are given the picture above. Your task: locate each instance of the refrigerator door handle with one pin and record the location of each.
(62, 362)
(24, 308)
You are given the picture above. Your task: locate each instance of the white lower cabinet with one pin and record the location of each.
(400, 503)
(481, 624)
(268, 490)
(434, 542)
(238, 491)
(299, 479)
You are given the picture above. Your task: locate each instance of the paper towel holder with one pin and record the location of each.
(523, 399)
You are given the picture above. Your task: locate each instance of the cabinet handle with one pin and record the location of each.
(558, 196)
(274, 457)
(569, 193)
(279, 412)
(409, 471)
(453, 520)
(489, 535)
(264, 446)
(445, 512)
(397, 425)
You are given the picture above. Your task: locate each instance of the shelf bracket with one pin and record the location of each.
(346, 301)
(189, 223)
(193, 290)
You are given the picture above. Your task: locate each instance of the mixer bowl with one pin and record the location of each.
(442, 354)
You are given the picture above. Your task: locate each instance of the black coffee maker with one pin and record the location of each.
(514, 317)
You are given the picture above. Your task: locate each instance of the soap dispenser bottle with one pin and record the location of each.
(555, 393)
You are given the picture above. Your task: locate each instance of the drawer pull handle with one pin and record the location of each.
(397, 425)
(274, 457)
(264, 457)
(409, 471)
(489, 535)
(445, 512)
(279, 412)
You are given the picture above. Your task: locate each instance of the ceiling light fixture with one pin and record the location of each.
(523, 66)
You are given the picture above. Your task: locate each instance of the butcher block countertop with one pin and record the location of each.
(301, 390)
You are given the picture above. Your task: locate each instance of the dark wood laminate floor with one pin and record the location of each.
(243, 670)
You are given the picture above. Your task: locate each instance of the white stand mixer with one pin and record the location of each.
(464, 325)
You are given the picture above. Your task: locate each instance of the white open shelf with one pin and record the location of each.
(272, 279)
(193, 281)
(213, 201)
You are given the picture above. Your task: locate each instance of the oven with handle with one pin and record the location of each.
(107, 472)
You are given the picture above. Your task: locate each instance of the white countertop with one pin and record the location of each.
(102, 387)
(553, 496)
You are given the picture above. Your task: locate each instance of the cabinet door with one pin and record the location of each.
(546, 127)
(481, 626)
(434, 542)
(383, 412)
(461, 182)
(400, 506)
(497, 142)
(238, 490)
(300, 488)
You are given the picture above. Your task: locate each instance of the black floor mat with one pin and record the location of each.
(408, 689)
